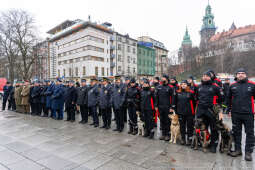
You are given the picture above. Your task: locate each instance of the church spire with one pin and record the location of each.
(186, 39)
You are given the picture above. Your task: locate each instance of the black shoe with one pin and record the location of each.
(96, 125)
(151, 135)
(213, 149)
(235, 153)
(92, 124)
(81, 121)
(107, 127)
(248, 156)
(103, 127)
(188, 143)
(116, 129)
(120, 130)
(72, 121)
(146, 134)
(162, 137)
(68, 120)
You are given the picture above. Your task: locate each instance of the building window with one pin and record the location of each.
(102, 71)
(128, 70)
(128, 59)
(96, 71)
(134, 51)
(70, 72)
(119, 68)
(84, 71)
(128, 49)
(119, 58)
(64, 72)
(76, 71)
(133, 70)
(119, 46)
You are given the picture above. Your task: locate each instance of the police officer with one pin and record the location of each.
(185, 107)
(132, 98)
(48, 94)
(105, 103)
(11, 100)
(70, 101)
(118, 99)
(7, 89)
(57, 98)
(36, 99)
(82, 101)
(147, 108)
(209, 94)
(241, 107)
(93, 95)
(25, 96)
(164, 102)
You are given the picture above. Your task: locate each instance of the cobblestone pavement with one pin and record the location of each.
(36, 143)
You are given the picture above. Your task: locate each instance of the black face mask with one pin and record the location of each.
(165, 82)
(146, 88)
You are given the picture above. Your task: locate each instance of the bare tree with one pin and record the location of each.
(23, 37)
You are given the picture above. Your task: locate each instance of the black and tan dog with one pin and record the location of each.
(226, 137)
(201, 136)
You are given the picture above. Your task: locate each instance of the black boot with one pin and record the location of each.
(235, 153)
(151, 135)
(131, 129)
(135, 131)
(248, 156)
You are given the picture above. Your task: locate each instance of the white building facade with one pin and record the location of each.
(80, 50)
(123, 55)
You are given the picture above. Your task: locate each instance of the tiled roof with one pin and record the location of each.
(234, 33)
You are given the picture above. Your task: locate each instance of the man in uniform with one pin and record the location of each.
(25, 97)
(164, 102)
(118, 99)
(17, 96)
(132, 97)
(7, 89)
(58, 100)
(36, 99)
(82, 101)
(93, 95)
(105, 103)
(48, 95)
(209, 95)
(70, 101)
(241, 108)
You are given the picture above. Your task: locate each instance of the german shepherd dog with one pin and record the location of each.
(226, 137)
(201, 135)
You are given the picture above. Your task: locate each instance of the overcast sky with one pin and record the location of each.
(164, 20)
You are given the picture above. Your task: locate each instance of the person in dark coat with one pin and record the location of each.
(174, 83)
(192, 85)
(7, 89)
(164, 102)
(125, 105)
(57, 98)
(209, 96)
(70, 101)
(132, 97)
(93, 95)
(36, 98)
(11, 100)
(105, 103)
(48, 94)
(32, 105)
(82, 101)
(147, 108)
(185, 108)
(118, 99)
(43, 99)
(241, 108)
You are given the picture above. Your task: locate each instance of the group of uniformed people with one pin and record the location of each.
(148, 99)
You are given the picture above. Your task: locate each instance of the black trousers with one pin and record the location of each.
(33, 108)
(4, 103)
(119, 118)
(187, 126)
(125, 109)
(45, 110)
(148, 120)
(84, 113)
(93, 113)
(239, 119)
(107, 116)
(70, 112)
(38, 109)
(132, 116)
(164, 121)
(210, 120)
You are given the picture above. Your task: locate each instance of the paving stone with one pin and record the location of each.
(9, 157)
(26, 165)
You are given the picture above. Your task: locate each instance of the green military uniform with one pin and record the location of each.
(17, 95)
